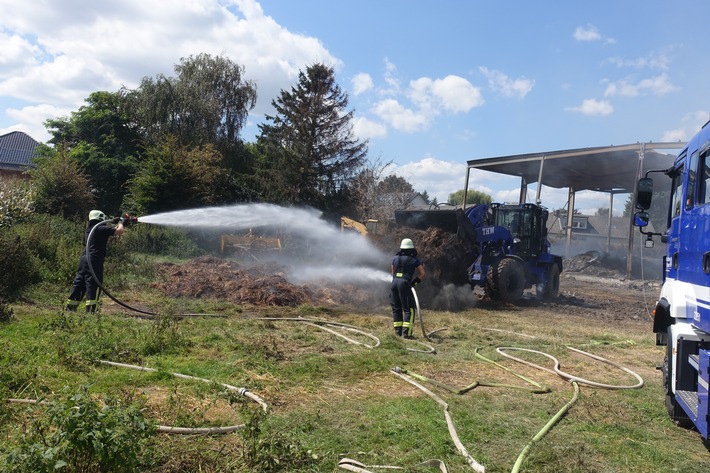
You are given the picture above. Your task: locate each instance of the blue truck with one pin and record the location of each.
(506, 246)
(681, 319)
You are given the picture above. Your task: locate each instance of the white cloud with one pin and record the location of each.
(691, 123)
(429, 98)
(452, 93)
(658, 85)
(365, 129)
(62, 52)
(30, 120)
(593, 107)
(438, 178)
(652, 61)
(501, 83)
(590, 33)
(362, 82)
(400, 117)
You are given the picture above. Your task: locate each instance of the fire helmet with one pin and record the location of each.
(407, 244)
(97, 215)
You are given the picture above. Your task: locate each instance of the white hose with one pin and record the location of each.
(556, 369)
(449, 421)
(168, 429)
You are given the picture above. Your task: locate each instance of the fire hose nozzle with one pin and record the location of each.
(130, 219)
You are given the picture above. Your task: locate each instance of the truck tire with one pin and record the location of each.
(675, 412)
(509, 280)
(550, 289)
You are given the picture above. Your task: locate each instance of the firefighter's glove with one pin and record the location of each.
(116, 220)
(416, 281)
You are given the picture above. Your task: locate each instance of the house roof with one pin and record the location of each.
(17, 149)
(611, 169)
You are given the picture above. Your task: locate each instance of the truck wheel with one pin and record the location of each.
(550, 289)
(675, 412)
(509, 279)
(490, 287)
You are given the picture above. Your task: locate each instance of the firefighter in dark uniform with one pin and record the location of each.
(404, 266)
(94, 253)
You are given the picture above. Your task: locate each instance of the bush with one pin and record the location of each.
(55, 245)
(16, 198)
(157, 240)
(79, 435)
(16, 263)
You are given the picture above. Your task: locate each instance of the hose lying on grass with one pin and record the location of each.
(409, 376)
(556, 369)
(169, 429)
(196, 430)
(324, 324)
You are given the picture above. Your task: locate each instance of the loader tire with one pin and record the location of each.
(509, 280)
(550, 289)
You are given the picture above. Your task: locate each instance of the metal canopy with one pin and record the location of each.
(611, 169)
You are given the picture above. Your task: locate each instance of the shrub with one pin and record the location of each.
(16, 263)
(16, 199)
(55, 245)
(79, 435)
(158, 240)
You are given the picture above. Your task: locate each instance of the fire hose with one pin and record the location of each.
(410, 377)
(170, 429)
(121, 303)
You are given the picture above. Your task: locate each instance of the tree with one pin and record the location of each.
(173, 177)
(602, 212)
(472, 197)
(60, 186)
(309, 148)
(207, 102)
(104, 143)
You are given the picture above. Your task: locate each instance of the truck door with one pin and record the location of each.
(698, 227)
(673, 233)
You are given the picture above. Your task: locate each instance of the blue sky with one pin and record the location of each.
(432, 84)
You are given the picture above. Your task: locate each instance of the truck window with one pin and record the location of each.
(677, 192)
(692, 178)
(703, 194)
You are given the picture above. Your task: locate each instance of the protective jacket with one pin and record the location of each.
(93, 252)
(404, 264)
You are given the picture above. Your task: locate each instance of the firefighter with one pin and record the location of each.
(94, 253)
(404, 266)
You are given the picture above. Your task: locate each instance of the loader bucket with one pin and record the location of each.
(423, 219)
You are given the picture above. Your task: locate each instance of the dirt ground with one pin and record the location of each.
(591, 284)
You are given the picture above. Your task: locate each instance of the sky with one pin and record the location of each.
(432, 84)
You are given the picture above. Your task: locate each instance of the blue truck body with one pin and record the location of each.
(507, 250)
(682, 313)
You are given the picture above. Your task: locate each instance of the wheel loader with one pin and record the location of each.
(506, 246)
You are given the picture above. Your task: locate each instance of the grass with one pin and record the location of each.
(329, 399)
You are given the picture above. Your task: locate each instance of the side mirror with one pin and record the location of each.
(644, 193)
(641, 219)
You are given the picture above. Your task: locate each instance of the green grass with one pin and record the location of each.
(329, 399)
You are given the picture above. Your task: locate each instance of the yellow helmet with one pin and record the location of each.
(407, 244)
(97, 215)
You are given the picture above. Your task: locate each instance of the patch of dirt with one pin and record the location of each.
(209, 277)
(592, 284)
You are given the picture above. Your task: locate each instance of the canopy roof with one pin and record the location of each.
(611, 169)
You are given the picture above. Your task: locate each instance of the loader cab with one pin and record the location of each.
(527, 224)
